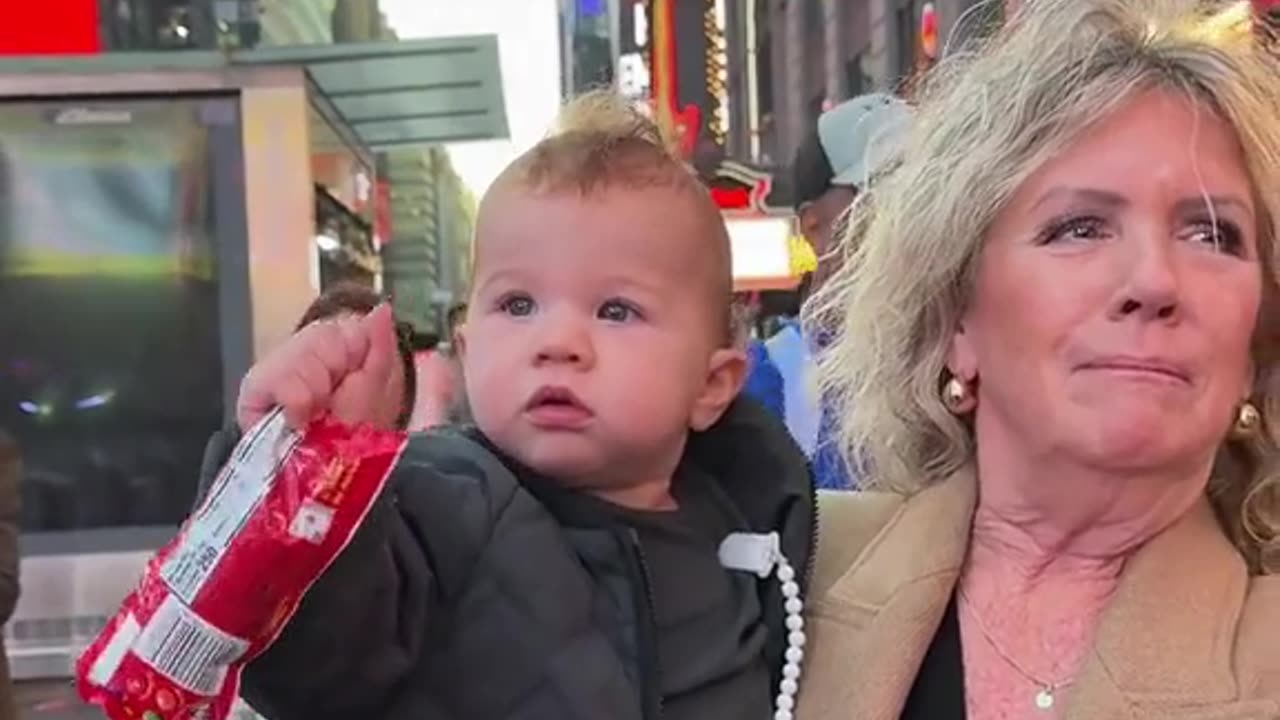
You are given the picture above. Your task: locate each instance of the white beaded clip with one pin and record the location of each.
(762, 554)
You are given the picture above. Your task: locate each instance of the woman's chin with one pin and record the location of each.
(1134, 441)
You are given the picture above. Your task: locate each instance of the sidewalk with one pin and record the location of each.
(51, 700)
(57, 700)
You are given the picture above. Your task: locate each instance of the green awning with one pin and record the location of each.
(405, 92)
(393, 94)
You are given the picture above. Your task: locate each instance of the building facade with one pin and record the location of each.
(745, 80)
(427, 255)
(589, 44)
(792, 59)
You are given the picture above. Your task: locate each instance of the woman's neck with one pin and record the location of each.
(1043, 514)
(1047, 549)
(1049, 541)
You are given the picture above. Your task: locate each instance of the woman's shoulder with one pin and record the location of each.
(1256, 634)
(904, 537)
(848, 522)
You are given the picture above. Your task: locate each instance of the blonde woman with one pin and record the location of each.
(1060, 354)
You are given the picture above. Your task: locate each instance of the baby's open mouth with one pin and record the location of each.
(555, 407)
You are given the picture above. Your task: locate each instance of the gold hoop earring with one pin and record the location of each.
(957, 396)
(1248, 420)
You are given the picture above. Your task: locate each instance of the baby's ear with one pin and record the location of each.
(460, 342)
(725, 375)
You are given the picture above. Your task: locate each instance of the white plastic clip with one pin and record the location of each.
(751, 552)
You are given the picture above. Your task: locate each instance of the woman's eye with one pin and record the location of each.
(617, 311)
(517, 305)
(1221, 235)
(1074, 229)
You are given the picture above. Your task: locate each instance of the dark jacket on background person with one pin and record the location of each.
(476, 590)
(10, 509)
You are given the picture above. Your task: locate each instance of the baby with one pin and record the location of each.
(602, 543)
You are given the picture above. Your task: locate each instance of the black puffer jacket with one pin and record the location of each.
(467, 595)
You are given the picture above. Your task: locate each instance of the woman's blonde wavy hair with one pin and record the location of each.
(987, 119)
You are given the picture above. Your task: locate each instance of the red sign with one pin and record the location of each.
(732, 198)
(740, 190)
(50, 27)
(929, 31)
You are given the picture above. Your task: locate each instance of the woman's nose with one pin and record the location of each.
(1151, 288)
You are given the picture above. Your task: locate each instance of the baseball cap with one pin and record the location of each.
(852, 141)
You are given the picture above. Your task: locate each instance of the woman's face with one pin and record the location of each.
(1116, 296)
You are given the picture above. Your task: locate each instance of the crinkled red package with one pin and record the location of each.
(220, 593)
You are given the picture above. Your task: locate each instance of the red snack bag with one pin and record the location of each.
(219, 593)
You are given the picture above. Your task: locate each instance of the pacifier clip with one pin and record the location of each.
(762, 554)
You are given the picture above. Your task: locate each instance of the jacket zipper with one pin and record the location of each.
(647, 626)
(647, 630)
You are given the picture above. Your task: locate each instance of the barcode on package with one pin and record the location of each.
(186, 649)
(239, 489)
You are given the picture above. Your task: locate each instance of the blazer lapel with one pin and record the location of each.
(870, 630)
(1165, 645)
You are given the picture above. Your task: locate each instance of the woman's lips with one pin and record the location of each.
(1157, 369)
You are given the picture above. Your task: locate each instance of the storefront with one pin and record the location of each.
(166, 220)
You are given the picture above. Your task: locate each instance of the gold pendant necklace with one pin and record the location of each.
(1046, 696)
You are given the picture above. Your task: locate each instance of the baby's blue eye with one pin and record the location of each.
(617, 311)
(517, 305)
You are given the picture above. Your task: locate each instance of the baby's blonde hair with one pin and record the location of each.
(602, 142)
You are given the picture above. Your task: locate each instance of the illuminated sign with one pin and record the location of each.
(716, 68)
(634, 80)
(640, 24)
(92, 116)
(50, 27)
(761, 253)
(929, 32)
(741, 190)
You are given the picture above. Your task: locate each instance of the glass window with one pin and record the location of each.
(110, 356)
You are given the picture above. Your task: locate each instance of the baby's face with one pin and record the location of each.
(590, 338)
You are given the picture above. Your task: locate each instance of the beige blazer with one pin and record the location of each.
(1189, 635)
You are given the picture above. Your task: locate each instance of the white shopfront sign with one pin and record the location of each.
(761, 256)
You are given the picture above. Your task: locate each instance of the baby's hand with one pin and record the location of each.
(339, 365)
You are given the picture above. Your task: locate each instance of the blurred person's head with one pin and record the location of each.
(454, 319)
(423, 342)
(1075, 266)
(852, 142)
(347, 298)
(599, 331)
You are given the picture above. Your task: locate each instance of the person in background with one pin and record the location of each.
(459, 408)
(455, 319)
(10, 508)
(391, 408)
(395, 407)
(435, 378)
(852, 142)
